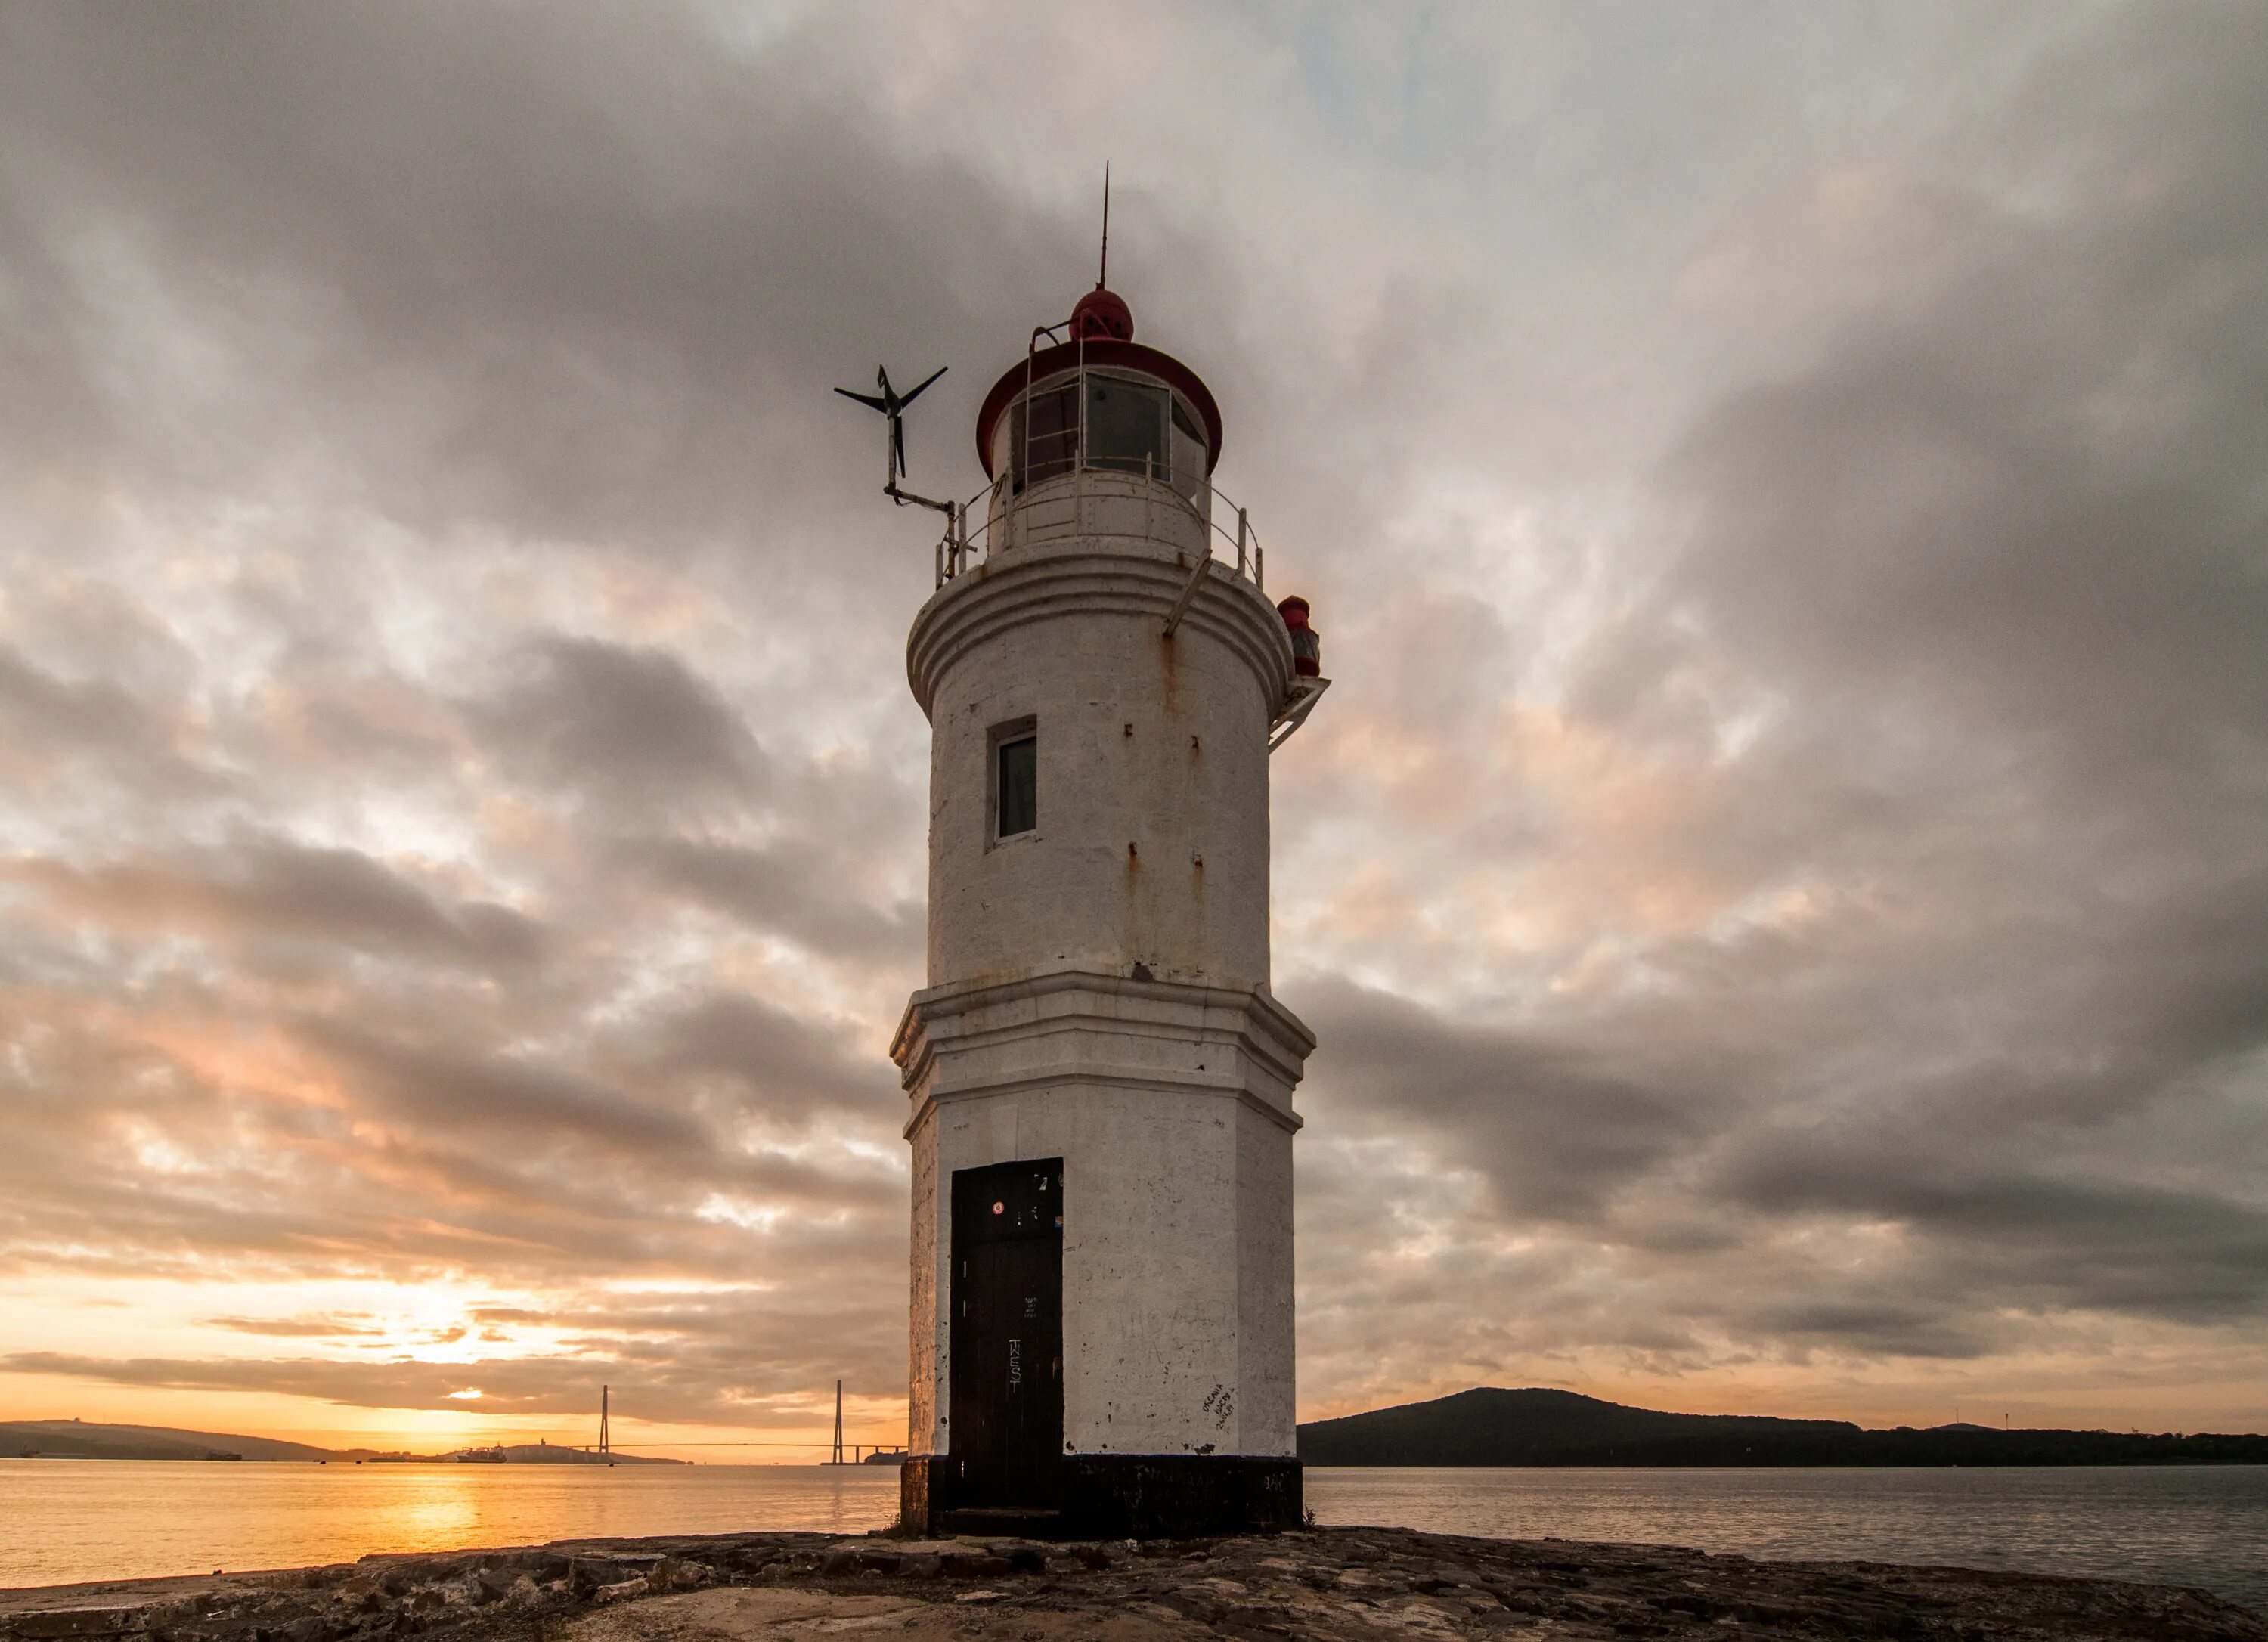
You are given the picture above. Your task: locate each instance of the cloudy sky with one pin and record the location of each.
(1781, 881)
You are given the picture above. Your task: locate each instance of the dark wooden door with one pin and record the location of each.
(1006, 1414)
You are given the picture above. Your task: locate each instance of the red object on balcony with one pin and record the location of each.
(1307, 643)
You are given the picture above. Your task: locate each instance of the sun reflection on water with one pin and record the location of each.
(74, 1520)
(441, 1508)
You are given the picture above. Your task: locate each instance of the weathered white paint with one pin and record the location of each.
(1153, 841)
(1099, 988)
(1171, 1107)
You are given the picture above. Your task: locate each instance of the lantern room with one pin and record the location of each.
(1100, 400)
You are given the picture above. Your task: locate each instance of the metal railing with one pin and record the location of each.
(959, 546)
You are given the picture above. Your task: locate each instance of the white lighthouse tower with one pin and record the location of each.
(1100, 1082)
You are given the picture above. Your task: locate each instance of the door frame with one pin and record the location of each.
(1033, 1474)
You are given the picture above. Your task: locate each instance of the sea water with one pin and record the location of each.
(2205, 1526)
(65, 1521)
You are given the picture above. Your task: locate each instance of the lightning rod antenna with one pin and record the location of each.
(1103, 272)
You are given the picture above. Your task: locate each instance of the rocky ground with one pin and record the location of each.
(1327, 1583)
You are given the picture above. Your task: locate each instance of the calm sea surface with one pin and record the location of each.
(62, 1521)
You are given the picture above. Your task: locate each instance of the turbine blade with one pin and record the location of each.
(898, 440)
(910, 398)
(865, 398)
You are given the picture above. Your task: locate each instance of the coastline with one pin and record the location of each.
(1339, 1582)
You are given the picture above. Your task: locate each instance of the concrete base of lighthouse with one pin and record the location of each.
(1151, 1121)
(1132, 1496)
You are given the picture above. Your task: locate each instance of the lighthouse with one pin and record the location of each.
(1100, 1080)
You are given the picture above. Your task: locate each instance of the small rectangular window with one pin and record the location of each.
(1015, 778)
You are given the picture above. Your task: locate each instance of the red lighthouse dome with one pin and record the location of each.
(1102, 316)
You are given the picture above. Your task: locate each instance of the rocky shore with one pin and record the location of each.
(1326, 1583)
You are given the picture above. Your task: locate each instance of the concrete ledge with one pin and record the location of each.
(1127, 577)
(1093, 1026)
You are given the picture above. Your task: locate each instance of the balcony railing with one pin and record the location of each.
(960, 547)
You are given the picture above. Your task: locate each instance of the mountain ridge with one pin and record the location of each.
(1484, 1425)
(85, 1440)
(1491, 1426)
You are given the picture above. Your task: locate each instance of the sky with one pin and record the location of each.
(1780, 880)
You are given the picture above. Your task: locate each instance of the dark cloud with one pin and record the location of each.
(669, 1389)
(587, 322)
(55, 732)
(778, 1061)
(790, 888)
(1558, 1128)
(633, 727)
(428, 1083)
(2028, 1237)
(269, 886)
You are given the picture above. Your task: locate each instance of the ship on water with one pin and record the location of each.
(491, 1456)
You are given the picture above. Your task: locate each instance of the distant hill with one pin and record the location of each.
(1488, 1426)
(78, 1439)
(1492, 1427)
(75, 1439)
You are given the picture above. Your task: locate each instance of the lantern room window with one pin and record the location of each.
(1043, 434)
(1109, 420)
(1186, 442)
(1126, 425)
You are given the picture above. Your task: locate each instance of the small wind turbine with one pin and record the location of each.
(893, 405)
